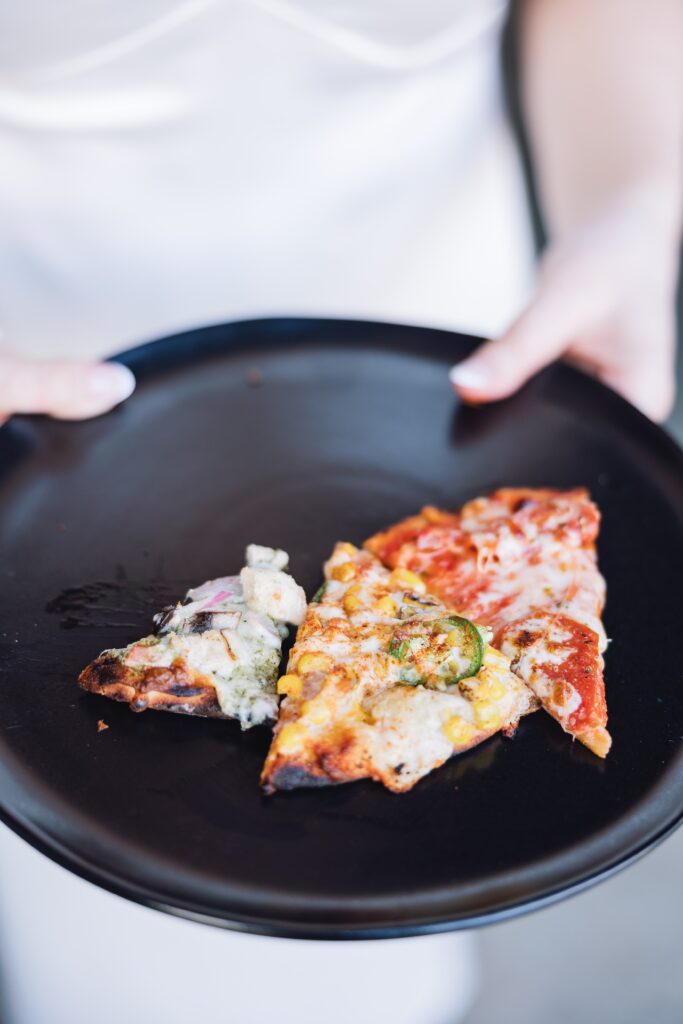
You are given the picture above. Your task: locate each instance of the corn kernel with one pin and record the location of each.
(453, 638)
(406, 578)
(290, 685)
(314, 661)
(290, 737)
(386, 606)
(486, 715)
(352, 601)
(316, 712)
(459, 732)
(344, 572)
(348, 549)
(491, 688)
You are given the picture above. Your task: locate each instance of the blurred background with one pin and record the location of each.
(609, 956)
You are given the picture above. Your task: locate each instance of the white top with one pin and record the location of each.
(167, 164)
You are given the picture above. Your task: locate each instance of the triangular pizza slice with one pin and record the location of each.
(216, 654)
(523, 562)
(385, 682)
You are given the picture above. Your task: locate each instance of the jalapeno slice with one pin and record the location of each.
(467, 641)
(437, 652)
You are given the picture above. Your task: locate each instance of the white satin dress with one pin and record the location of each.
(167, 164)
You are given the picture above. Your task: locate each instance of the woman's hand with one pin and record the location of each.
(66, 390)
(605, 300)
(602, 94)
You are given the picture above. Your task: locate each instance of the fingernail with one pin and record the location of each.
(472, 378)
(111, 380)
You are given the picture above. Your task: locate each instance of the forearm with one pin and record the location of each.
(602, 89)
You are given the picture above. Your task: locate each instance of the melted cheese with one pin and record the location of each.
(230, 630)
(273, 593)
(523, 561)
(360, 716)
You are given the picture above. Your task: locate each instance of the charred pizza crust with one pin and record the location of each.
(176, 688)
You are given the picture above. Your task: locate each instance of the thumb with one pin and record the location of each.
(67, 390)
(500, 367)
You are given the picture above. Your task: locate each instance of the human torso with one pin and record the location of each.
(172, 164)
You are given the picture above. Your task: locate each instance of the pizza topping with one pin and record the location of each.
(267, 589)
(559, 658)
(407, 579)
(262, 592)
(239, 668)
(503, 556)
(459, 731)
(213, 605)
(437, 652)
(344, 572)
(226, 636)
(259, 556)
(314, 661)
(187, 619)
(272, 592)
(386, 606)
(209, 593)
(316, 711)
(352, 600)
(368, 689)
(523, 562)
(412, 604)
(290, 685)
(270, 631)
(410, 677)
(399, 648)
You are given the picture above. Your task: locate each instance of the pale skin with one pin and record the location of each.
(602, 85)
(603, 98)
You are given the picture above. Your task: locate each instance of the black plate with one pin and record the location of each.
(298, 433)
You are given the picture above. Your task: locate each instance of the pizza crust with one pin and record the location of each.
(176, 688)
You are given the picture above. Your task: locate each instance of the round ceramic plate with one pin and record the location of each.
(299, 433)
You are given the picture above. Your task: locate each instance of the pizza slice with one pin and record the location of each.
(522, 562)
(217, 654)
(385, 682)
